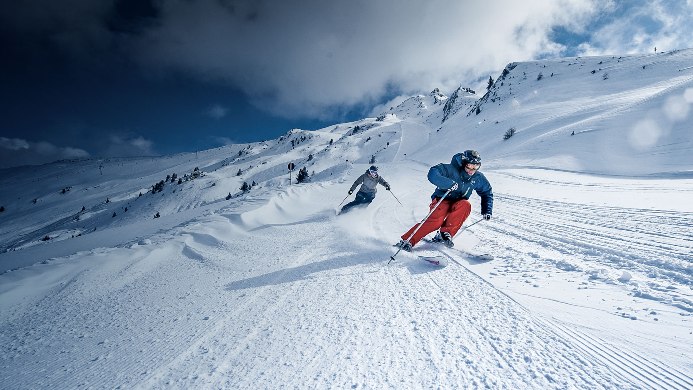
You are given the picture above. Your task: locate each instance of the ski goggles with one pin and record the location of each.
(373, 173)
(472, 167)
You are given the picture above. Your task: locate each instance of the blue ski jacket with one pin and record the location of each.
(443, 176)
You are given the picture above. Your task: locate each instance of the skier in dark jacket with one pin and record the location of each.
(460, 177)
(369, 181)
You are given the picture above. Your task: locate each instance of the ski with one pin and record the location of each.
(434, 259)
(429, 256)
(477, 257)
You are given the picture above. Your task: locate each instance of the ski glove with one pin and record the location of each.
(351, 192)
(454, 187)
(486, 216)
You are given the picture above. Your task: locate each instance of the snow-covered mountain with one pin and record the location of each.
(160, 272)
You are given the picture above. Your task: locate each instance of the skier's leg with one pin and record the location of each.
(360, 199)
(434, 221)
(347, 207)
(366, 199)
(458, 213)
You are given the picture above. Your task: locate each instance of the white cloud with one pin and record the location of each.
(311, 58)
(13, 143)
(120, 145)
(22, 152)
(385, 107)
(217, 111)
(17, 151)
(639, 27)
(224, 141)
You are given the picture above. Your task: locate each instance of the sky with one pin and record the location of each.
(95, 79)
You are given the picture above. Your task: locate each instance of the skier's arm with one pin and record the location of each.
(436, 175)
(358, 181)
(485, 191)
(383, 182)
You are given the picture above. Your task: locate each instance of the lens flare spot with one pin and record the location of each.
(644, 134)
(688, 95)
(676, 108)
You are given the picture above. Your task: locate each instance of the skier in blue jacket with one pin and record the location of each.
(460, 177)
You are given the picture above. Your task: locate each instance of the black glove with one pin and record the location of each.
(486, 216)
(351, 192)
(387, 188)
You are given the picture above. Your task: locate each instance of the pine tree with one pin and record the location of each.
(302, 175)
(490, 83)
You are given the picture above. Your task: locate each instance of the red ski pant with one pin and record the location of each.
(448, 217)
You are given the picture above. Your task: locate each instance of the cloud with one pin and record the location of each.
(385, 107)
(13, 143)
(18, 151)
(316, 58)
(223, 141)
(310, 58)
(217, 111)
(123, 145)
(642, 26)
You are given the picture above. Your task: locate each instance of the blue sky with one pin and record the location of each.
(84, 78)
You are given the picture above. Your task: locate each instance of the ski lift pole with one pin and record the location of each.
(421, 223)
(290, 167)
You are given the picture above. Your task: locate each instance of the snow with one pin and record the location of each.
(592, 238)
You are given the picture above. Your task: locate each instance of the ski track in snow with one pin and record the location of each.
(403, 325)
(598, 240)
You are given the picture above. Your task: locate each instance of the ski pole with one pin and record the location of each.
(395, 197)
(345, 198)
(467, 227)
(421, 223)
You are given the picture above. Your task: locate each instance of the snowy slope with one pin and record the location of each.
(592, 236)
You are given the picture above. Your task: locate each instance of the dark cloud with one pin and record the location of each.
(309, 57)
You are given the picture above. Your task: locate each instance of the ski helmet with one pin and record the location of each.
(373, 168)
(471, 157)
